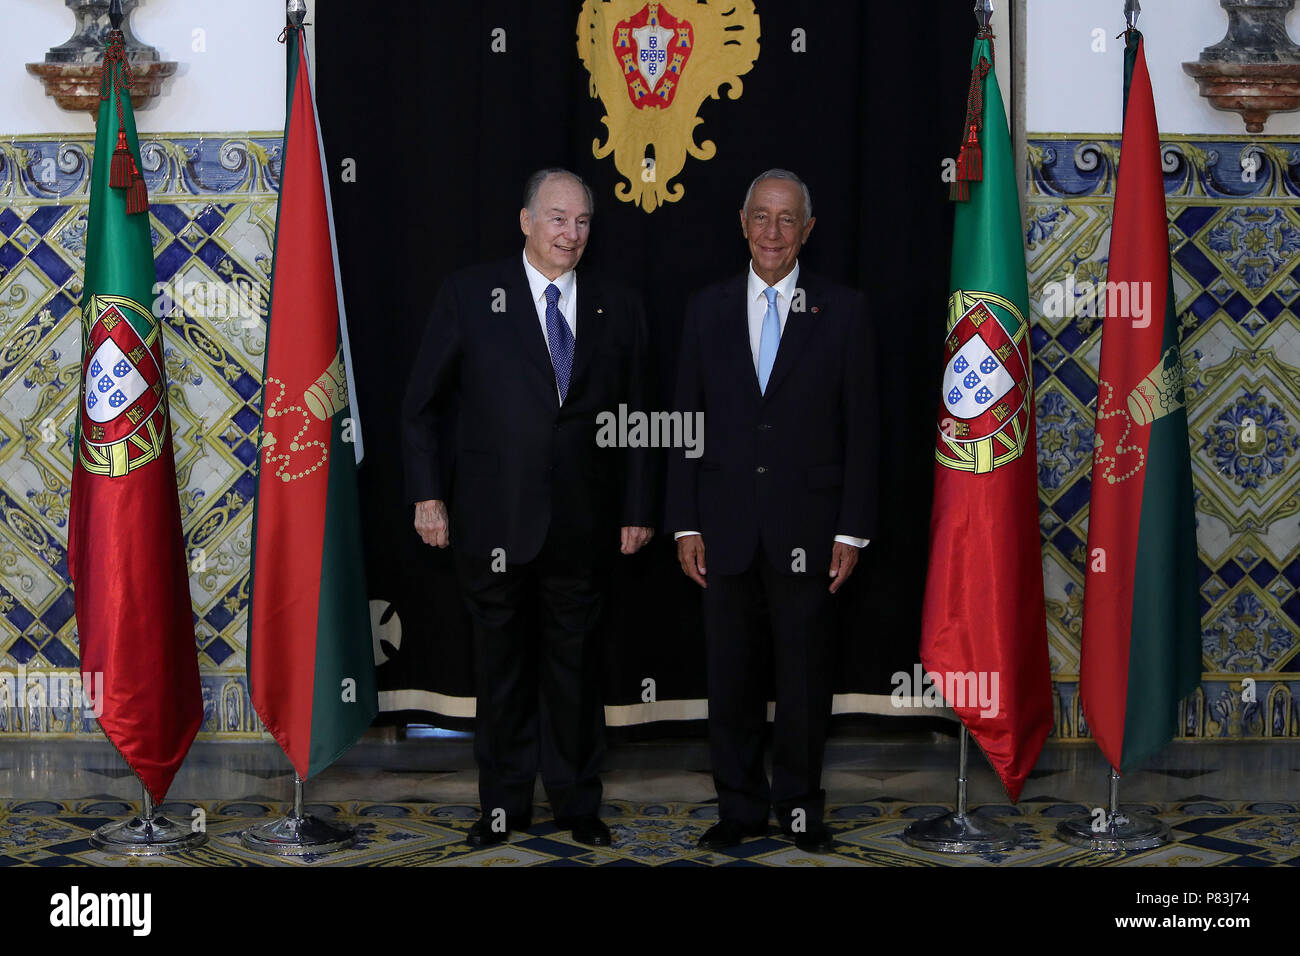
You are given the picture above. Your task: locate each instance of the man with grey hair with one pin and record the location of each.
(514, 368)
(781, 365)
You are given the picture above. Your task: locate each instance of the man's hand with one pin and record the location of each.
(431, 523)
(690, 553)
(843, 559)
(634, 539)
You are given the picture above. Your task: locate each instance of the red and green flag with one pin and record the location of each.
(311, 664)
(1141, 644)
(983, 632)
(126, 550)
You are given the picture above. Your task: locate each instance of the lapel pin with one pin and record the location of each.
(600, 311)
(815, 310)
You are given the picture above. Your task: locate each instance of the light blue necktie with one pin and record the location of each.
(560, 338)
(769, 340)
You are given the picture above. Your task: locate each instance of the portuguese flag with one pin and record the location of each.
(126, 551)
(311, 665)
(1141, 645)
(983, 630)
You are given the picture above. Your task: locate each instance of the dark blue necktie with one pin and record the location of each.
(560, 339)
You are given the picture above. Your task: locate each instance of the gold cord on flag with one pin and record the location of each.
(115, 77)
(970, 160)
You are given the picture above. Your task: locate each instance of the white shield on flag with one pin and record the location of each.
(112, 383)
(974, 380)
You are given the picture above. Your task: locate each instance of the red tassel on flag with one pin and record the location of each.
(970, 161)
(115, 83)
(137, 195)
(119, 176)
(970, 164)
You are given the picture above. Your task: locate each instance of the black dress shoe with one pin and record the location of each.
(482, 834)
(815, 839)
(587, 829)
(729, 833)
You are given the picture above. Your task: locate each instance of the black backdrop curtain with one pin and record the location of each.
(443, 131)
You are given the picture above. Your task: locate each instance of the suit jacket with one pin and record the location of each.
(483, 427)
(792, 467)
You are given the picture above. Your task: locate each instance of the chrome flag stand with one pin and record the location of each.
(298, 833)
(149, 834)
(1117, 832)
(960, 832)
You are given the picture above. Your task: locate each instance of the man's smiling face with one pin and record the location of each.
(776, 225)
(556, 226)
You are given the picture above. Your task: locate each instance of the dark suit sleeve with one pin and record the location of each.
(858, 506)
(427, 390)
(642, 465)
(688, 398)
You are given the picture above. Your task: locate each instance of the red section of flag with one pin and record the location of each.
(126, 553)
(1139, 257)
(984, 608)
(292, 486)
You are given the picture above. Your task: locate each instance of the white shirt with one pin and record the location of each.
(567, 283)
(757, 306)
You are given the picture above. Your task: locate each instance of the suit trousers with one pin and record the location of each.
(537, 636)
(759, 625)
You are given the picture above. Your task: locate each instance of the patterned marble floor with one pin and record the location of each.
(1207, 832)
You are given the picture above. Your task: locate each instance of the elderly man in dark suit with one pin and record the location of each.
(783, 497)
(528, 351)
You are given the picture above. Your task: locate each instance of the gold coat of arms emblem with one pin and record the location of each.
(652, 65)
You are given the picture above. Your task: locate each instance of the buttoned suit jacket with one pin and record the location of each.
(794, 466)
(484, 429)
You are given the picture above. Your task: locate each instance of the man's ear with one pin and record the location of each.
(525, 222)
(807, 229)
(744, 225)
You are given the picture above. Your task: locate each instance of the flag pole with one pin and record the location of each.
(298, 833)
(1116, 832)
(147, 834)
(960, 832)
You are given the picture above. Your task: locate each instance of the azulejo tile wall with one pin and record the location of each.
(212, 212)
(1235, 238)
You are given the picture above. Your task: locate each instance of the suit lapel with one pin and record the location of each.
(798, 329)
(734, 336)
(592, 325)
(521, 313)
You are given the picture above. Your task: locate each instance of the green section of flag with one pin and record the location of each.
(119, 246)
(988, 240)
(1165, 647)
(345, 697)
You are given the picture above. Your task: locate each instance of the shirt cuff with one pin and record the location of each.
(846, 539)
